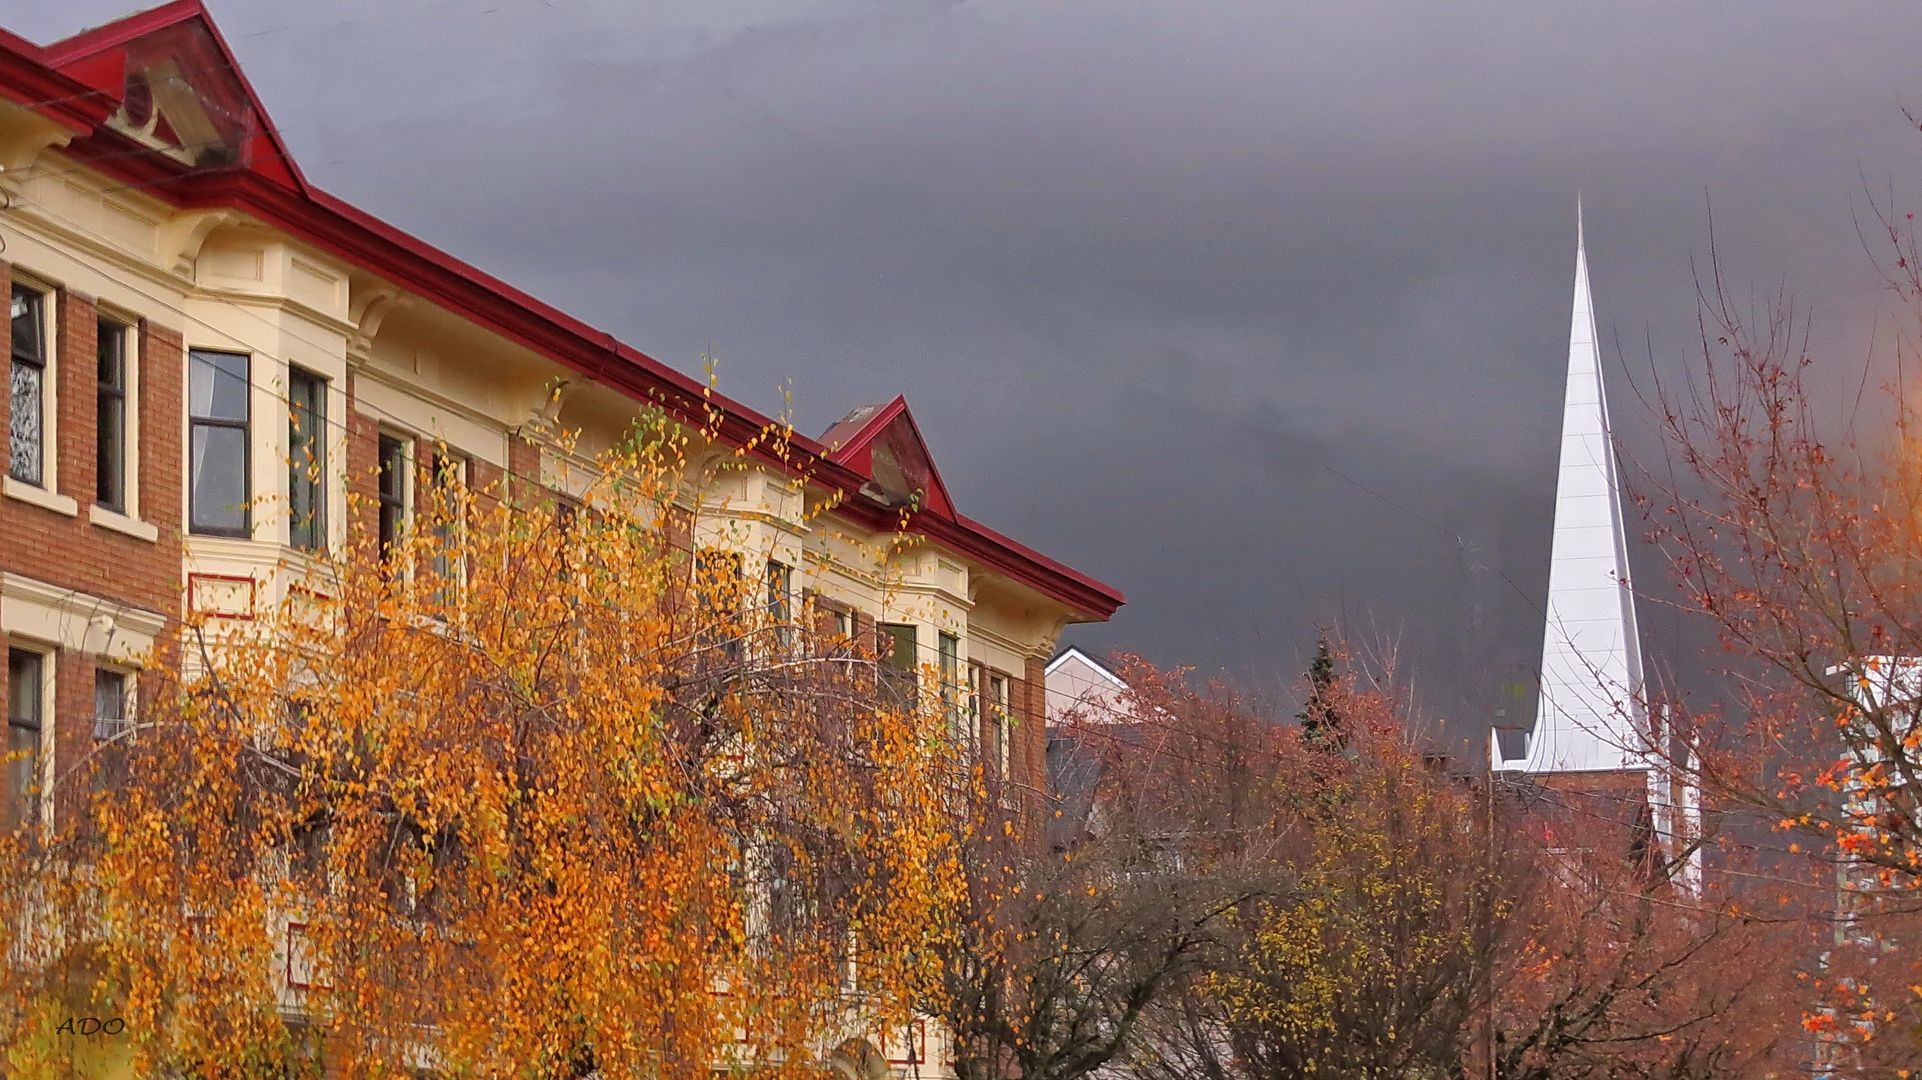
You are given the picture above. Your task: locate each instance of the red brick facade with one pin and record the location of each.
(73, 552)
(1028, 757)
(363, 472)
(88, 568)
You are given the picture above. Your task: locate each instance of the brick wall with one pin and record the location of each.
(1600, 798)
(524, 471)
(70, 551)
(73, 709)
(163, 466)
(363, 475)
(1029, 760)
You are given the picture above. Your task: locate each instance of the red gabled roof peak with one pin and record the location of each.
(878, 458)
(187, 79)
(883, 443)
(860, 424)
(120, 31)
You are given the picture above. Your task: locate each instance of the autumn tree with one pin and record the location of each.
(1375, 967)
(1788, 503)
(1608, 969)
(532, 791)
(1162, 831)
(1440, 925)
(1319, 719)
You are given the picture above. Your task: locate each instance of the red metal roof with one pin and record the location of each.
(79, 83)
(883, 443)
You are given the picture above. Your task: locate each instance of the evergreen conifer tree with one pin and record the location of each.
(1320, 722)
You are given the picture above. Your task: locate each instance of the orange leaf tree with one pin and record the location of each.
(1789, 506)
(535, 792)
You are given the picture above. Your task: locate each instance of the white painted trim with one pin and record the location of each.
(276, 301)
(39, 496)
(71, 619)
(1022, 651)
(408, 409)
(49, 721)
(131, 357)
(121, 523)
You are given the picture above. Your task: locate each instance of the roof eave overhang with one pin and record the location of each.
(29, 84)
(332, 225)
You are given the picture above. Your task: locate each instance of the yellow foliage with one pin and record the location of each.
(534, 793)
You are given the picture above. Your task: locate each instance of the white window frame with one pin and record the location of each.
(949, 664)
(321, 436)
(999, 710)
(127, 519)
(129, 698)
(251, 429)
(49, 381)
(408, 441)
(464, 484)
(49, 721)
(46, 493)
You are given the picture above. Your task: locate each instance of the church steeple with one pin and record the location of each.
(1591, 715)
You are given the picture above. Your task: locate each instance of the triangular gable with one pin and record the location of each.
(1073, 655)
(1079, 687)
(882, 443)
(180, 90)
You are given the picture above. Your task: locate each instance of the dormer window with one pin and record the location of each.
(182, 97)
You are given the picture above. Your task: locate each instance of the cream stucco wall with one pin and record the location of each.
(223, 282)
(228, 283)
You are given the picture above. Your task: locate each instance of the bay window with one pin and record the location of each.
(220, 413)
(900, 671)
(307, 460)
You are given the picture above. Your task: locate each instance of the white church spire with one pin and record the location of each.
(1591, 714)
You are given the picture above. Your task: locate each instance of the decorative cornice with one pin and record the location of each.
(379, 249)
(80, 620)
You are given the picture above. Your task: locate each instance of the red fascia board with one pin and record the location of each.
(934, 468)
(31, 84)
(367, 242)
(1095, 597)
(856, 452)
(261, 115)
(13, 42)
(122, 30)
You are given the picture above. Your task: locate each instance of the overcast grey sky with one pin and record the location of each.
(1248, 308)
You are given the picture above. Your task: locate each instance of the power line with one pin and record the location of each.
(255, 383)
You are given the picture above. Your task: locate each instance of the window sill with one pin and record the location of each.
(121, 523)
(41, 497)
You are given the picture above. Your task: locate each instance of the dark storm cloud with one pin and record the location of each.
(1256, 310)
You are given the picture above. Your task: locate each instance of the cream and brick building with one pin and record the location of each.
(189, 313)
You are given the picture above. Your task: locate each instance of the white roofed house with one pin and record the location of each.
(1081, 687)
(1083, 696)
